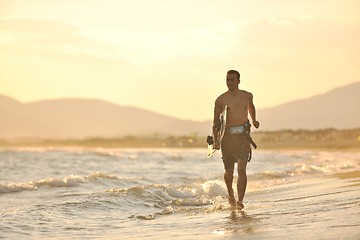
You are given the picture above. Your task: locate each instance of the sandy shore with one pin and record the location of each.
(325, 207)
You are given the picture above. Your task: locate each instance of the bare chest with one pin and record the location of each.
(237, 104)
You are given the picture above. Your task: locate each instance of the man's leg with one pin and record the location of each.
(228, 177)
(242, 182)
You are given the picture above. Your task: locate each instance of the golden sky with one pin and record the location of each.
(172, 56)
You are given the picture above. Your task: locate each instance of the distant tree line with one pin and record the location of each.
(322, 138)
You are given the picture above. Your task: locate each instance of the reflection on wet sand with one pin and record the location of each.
(240, 221)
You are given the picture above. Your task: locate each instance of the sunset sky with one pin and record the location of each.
(172, 56)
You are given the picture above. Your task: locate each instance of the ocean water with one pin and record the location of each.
(99, 193)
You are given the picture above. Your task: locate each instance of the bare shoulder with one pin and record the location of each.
(246, 94)
(220, 100)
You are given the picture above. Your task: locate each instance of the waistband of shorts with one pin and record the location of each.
(239, 129)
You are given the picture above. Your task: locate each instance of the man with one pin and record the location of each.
(235, 146)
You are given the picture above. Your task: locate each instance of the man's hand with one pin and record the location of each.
(210, 140)
(256, 124)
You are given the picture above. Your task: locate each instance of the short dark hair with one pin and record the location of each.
(234, 72)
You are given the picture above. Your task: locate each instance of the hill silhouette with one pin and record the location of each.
(80, 118)
(83, 118)
(337, 108)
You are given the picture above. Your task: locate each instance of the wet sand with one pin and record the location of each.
(326, 207)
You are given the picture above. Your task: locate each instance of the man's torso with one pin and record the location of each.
(238, 105)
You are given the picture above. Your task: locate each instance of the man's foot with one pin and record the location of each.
(232, 201)
(239, 205)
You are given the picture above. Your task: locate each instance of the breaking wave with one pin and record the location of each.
(69, 181)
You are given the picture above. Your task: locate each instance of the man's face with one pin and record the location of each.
(232, 81)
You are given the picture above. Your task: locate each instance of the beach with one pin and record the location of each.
(126, 193)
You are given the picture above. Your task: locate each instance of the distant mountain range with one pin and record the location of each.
(338, 108)
(80, 118)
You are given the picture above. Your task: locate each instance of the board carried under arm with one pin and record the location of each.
(220, 127)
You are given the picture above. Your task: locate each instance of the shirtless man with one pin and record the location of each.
(235, 147)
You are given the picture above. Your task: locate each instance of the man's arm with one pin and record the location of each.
(252, 112)
(216, 121)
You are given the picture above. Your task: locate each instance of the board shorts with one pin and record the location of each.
(234, 147)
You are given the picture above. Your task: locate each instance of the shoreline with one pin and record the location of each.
(322, 139)
(148, 144)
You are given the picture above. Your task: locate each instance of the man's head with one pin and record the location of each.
(232, 79)
(234, 72)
